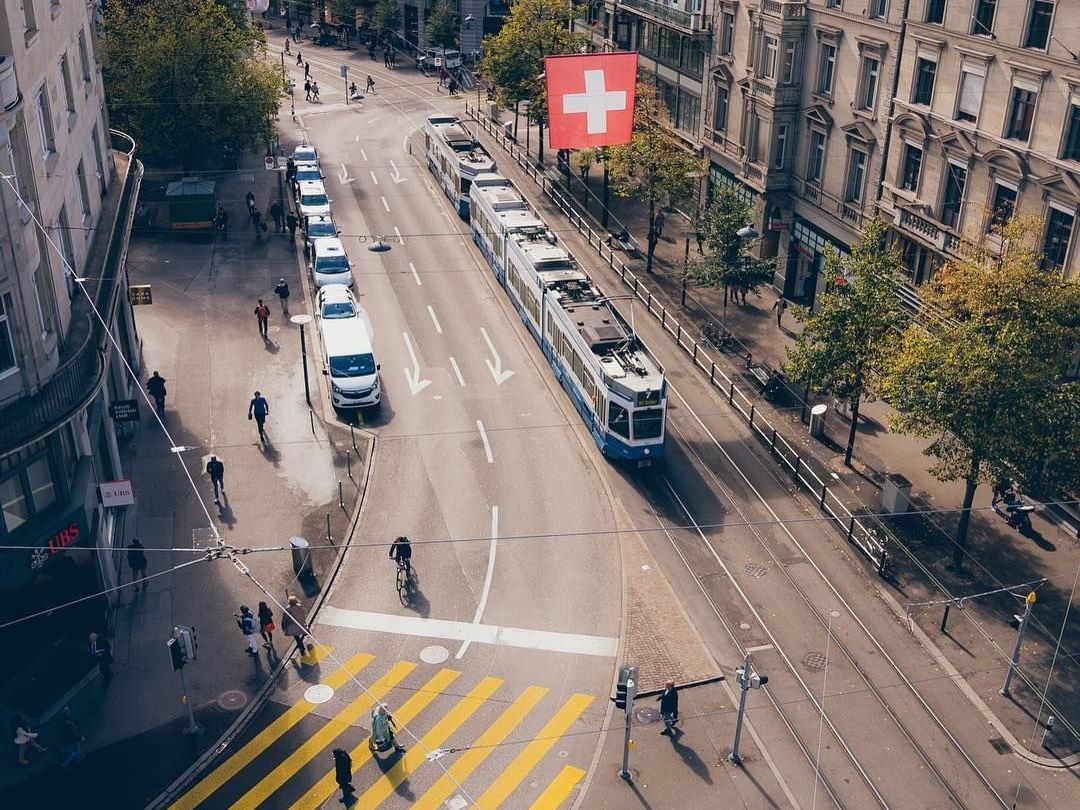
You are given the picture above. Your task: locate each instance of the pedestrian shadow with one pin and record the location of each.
(225, 512)
(1037, 538)
(269, 452)
(271, 346)
(691, 759)
(309, 673)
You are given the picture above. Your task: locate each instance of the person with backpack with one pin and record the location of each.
(282, 292)
(245, 620)
(262, 316)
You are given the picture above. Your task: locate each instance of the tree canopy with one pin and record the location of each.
(189, 84)
(386, 19)
(442, 25)
(722, 264)
(848, 341)
(988, 383)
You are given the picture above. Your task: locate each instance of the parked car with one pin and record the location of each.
(307, 171)
(318, 227)
(433, 58)
(335, 302)
(330, 264)
(350, 364)
(312, 199)
(305, 154)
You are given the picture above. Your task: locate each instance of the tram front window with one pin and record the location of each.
(648, 423)
(618, 420)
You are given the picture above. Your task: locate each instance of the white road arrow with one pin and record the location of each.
(500, 374)
(396, 176)
(412, 376)
(344, 176)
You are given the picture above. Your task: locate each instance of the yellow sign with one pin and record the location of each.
(139, 294)
(1031, 598)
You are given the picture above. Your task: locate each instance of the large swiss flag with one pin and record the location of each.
(590, 99)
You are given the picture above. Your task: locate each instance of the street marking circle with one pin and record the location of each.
(319, 693)
(435, 654)
(232, 701)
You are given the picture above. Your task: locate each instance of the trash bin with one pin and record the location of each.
(894, 495)
(301, 555)
(493, 111)
(817, 419)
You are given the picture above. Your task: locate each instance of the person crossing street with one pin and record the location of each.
(245, 620)
(216, 470)
(259, 409)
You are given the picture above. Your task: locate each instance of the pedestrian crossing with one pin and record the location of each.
(462, 724)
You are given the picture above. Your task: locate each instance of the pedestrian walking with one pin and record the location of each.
(288, 39)
(383, 727)
(216, 470)
(658, 223)
(291, 222)
(246, 622)
(307, 90)
(743, 290)
(282, 292)
(294, 622)
(137, 561)
(779, 305)
(72, 738)
(262, 317)
(278, 213)
(370, 84)
(442, 75)
(222, 222)
(290, 170)
(25, 738)
(156, 387)
(266, 625)
(307, 70)
(314, 91)
(299, 58)
(249, 198)
(385, 57)
(453, 87)
(669, 708)
(101, 651)
(343, 775)
(259, 408)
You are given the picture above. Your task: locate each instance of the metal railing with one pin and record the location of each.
(661, 11)
(859, 533)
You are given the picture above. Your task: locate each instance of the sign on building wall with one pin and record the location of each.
(124, 410)
(139, 294)
(116, 493)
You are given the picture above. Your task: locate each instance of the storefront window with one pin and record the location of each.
(16, 510)
(42, 488)
(27, 487)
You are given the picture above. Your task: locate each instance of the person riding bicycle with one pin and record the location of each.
(401, 552)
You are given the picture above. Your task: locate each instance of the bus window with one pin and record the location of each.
(618, 419)
(648, 422)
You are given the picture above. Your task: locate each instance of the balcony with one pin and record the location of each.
(942, 239)
(693, 22)
(795, 10)
(10, 95)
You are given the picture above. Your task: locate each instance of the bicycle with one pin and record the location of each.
(405, 582)
(718, 337)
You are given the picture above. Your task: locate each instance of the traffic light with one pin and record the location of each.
(176, 652)
(626, 688)
(187, 638)
(756, 681)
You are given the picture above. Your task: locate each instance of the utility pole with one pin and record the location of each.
(301, 320)
(183, 647)
(625, 692)
(748, 679)
(685, 270)
(1021, 626)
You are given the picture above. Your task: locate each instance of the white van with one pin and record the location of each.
(329, 263)
(350, 364)
(312, 199)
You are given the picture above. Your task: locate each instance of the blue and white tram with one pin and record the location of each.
(455, 158)
(616, 384)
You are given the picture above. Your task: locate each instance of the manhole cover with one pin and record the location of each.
(755, 569)
(203, 537)
(646, 715)
(815, 660)
(434, 654)
(319, 693)
(232, 701)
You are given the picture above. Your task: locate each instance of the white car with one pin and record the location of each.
(312, 199)
(336, 301)
(433, 57)
(307, 171)
(305, 154)
(329, 263)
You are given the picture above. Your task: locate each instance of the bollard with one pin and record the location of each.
(301, 556)
(772, 444)
(311, 415)
(824, 492)
(329, 536)
(851, 529)
(340, 495)
(753, 408)
(712, 373)
(798, 466)
(348, 464)
(730, 393)
(352, 435)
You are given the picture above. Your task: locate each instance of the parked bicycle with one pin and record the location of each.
(718, 337)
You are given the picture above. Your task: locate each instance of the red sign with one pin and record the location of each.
(590, 99)
(64, 538)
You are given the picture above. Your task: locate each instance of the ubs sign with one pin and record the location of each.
(71, 531)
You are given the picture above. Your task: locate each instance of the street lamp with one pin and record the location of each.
(301, 320)
(746, 234)
(696, 175)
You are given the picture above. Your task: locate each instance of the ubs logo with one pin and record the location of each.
(63, 538)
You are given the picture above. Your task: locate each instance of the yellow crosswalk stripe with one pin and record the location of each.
(450, 722)
(555, 793)
(470, 760)
(325, 787)
(531, 754)
(261, 741)
(322, 738)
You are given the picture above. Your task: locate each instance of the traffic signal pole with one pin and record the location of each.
(744, 687)
(624, 699)
(192, 727)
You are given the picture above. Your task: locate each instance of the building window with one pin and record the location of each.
(753, 132)
(7, 345)
(1021, 113)
(1002, 206)
(925, 74)
(833, 3)
(827, 69)
(868, 83)
(720, 109)
(953, 199)
(84, 194)
(27, 492)
(84, 58)
(877, 9)
(39, 299)
(29, 19)
(856, 176)
(815, 161)
(727, 33)
(969, 97)
(768, 57)
(911, 167)
(98, 162)
(63, 229)
(65, 79)
(982, 17)
(1071, 148)
(1038, 28)
(781, 146)
(788, 73)
(44, 123)
(1059, 228)
(935, 12)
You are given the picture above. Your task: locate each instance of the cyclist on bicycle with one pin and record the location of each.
(401, 552)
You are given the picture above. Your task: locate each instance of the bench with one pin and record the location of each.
(629, 246)
(762, 372)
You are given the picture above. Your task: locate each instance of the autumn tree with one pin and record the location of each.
(186, 82)
(849, 339)
(988, 382)
(651, 168)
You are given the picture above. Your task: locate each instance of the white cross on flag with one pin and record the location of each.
(590, 99)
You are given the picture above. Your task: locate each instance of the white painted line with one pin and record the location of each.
(357, 139)
(487, 446)
(385, 204)
(574, 643)
(457, 371)
(487, 579)
(415, 275)
(400, 240)
(363, 153)
(759, 648)
(374, 179)
(434, 319)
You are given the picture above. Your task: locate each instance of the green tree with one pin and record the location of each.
(651, 167)
(988, 384)
(510, 69)
(186, 82)
(442, 26)
(849, 340)
(724, 264)
(386, 20)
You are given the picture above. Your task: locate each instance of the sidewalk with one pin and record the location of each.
(201, 335)
(979, 639)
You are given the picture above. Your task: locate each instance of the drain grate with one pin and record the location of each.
(755, 569)
(646, 715)
(203, 537)
(232, 701)
(999, 745)
(815, 660)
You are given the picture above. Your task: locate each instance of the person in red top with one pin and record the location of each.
(262, 315)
